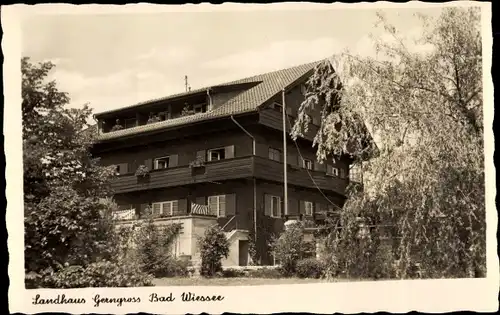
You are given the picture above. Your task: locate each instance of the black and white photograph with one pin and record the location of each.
(204, 154)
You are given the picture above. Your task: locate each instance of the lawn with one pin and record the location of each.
(236, 281)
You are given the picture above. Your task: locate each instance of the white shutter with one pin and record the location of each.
(222, 206)
(156, 208)
(212, 204)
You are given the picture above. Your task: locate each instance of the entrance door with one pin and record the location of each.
(243, 252)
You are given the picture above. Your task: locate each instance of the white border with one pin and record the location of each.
(394, 296)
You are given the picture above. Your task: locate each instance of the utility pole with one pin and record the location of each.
(186, 82)
(285, 202)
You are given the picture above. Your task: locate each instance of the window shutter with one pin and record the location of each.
(229, 152)
(149, 163)
(143, 207)
(319, 167)
(230, 204)
(212, 205)
(293, 208)
(175, 208)
(291, 158)
(267, 205)
(318, 207)
(173, 160)
(123, 168)
(222, 206)
(182, 206)
(315, 120)
(156, 208)
(302, 207)
(201, 155)
(342, 172)
(201, 200)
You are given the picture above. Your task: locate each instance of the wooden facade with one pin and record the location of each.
(247, 169)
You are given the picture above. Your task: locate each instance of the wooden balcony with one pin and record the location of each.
(272, 170)
(186, 175)
(236, 168)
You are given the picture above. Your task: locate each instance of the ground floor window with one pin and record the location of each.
(217, 205)
(309, 207)
(275, 206)
(167, 208)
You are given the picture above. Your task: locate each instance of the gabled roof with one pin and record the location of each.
(267, 86)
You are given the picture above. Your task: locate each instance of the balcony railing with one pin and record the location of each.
(235, 168)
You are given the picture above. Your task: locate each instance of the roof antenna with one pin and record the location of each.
(186, 84)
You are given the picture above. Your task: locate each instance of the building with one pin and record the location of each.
(215, 156)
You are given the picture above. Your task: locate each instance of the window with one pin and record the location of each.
(200, 108)
(131, 122)
(122, 168)
(164, 115)
(303, 89)
(165, 208)
(161, 163)
(275, 206)
(277, 106)
(342, 173)
(274, 154)
(332, 171)
(308, 207)
(217, 205)
(307, 164)
(216, 154)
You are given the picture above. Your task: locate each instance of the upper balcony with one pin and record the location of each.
(226, 169)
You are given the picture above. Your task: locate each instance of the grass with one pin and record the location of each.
(239, 281)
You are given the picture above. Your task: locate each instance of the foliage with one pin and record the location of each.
(232, 273)
(290, 247)
(63, 184)
(252, 248)
(153, 119)
(154, 249)
(213, 246)
(187, 111)
(98, 274)
(267, 273)
(422, 102)
(142, 171)
(116, 127)
(310, 268)
(198, 162)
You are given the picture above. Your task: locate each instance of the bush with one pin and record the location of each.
(153, 249)
(289, 248)
(177, 268)
(267, 273)
(213, 247)
(310, 268)
(98, 274)
(233, 273)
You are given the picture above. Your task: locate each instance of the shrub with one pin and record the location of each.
(98, 274)
(310, 268)
(142, 171)
(289, 248)
(233, 273)
(213, 247)
(153, 249)
(177, 268)
(267, 273)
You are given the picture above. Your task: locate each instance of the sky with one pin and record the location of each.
(115, 60)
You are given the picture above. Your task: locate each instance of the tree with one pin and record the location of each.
(65, 221)
(422, 102)
(213, 246)
(290, 247)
